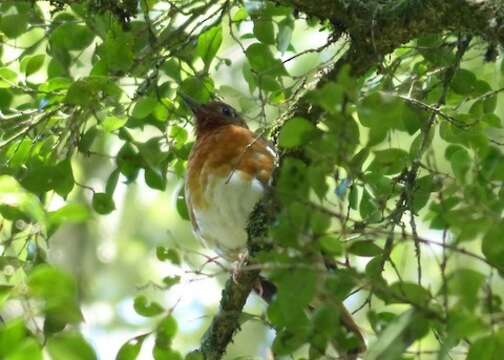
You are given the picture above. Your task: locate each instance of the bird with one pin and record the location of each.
(229, 169)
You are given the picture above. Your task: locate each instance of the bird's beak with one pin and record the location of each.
(191, 103)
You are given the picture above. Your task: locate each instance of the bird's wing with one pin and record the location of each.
(258, 158)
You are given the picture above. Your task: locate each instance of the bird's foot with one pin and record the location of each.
(237, 265)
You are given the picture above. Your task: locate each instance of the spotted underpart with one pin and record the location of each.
(229, 169)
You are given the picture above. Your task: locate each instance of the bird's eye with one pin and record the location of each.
(226, 110)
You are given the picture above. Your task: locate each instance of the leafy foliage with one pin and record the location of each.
(381, 170)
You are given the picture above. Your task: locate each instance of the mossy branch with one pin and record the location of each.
(226, 322)
(377, 28)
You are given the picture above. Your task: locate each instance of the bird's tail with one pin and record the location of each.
(351, 349)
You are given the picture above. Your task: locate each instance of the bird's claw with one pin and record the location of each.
(237, 265)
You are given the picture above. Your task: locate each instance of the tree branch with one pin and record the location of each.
(376, 29)
(226, 322)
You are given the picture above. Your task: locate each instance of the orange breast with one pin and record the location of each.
(223, 151)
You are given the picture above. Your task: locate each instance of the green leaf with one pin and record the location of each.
(7, 77)
(169, 281)
(365, 248)
(296, 289)
(31, 64)
(199, 88)
(87, 139)
(317, 176)
(143, 107)
(13, 25)
(463, 323)
(490, 104)
(331, 245)
(182, 206)
(165, 354)
(194, 355)
(367, 208)
(69, 213)
(38, 179)
(433, 49)
(112, 182)
(285, 30)
(117, 50)
(29, 349)
(208, 45)
(295, 132)
(249, 77)
(389, 161)
(330, 97)
(374, 269)
(383, 112)
(425, 185)
(171, 255)
(319, 222)
(292, 183)
(59, 292)
(128, 161)
(324, 319)
(268, 83)
(62, 178)
(179, 135)
(397, 337)
(103, 203)
(5, 291)
(13, 196)
(330, 142)
(463, 82)
(353, 197)
(130, 349)
(12, 335)
(490, 347)
(492, 245)
(154, 179)
(71, 36)
(5, 96)
(466, 283)
(341, 283)
(151, 152)
(407, 292)
(165, 331)
(460, 161)
(380, 321)
(112, 123)
(358, 160)
(69, 346)
(172, 69)
(264, 31)
(147, 308)
(262, 60)
(81, 92)
(286, 342)
(240, 15)
(492, 120)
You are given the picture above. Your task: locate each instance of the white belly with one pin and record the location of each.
(222, 224)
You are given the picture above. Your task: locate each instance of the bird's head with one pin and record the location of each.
(213, 115)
